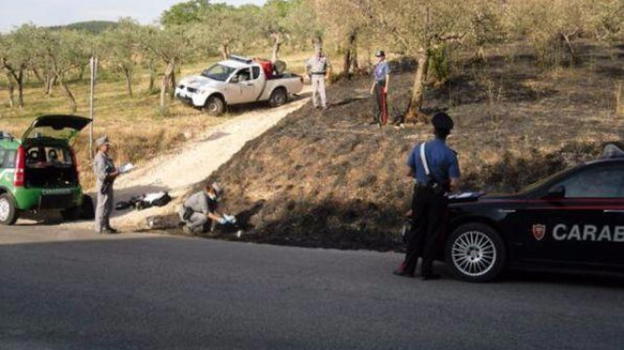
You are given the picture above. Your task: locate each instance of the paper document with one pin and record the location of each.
(126, 168)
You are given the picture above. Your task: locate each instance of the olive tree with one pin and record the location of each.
(344, 29)
(120, 47)
(170, 46)
(416, 28)
(16, 58)
(62, 52)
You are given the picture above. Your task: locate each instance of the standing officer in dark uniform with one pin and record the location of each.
(435, 169)
(381, 75)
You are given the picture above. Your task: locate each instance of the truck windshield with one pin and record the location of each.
(218, 72)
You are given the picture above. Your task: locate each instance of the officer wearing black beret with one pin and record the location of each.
(435, 170)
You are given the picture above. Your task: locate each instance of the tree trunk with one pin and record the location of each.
(82, 70)
(166, 80)
(350, 56)
(11, 90)
(277, 43)
(172, 83)
(414, 113)
(20, 88)
(225, 51)
(126, 72)
(72, 100)
(50, 85)
(39, 77)
(571, 50)
(152, 77)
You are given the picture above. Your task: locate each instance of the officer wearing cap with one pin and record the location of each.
(201, 207)
(435, 169)
(318, 68)
(381, 75)
(105, 175)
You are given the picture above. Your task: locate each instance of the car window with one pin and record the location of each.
(218, 72)
(256, 72)
(8, 159)
(600, 182)
(243, 75)
(41, 157)
(3, 153)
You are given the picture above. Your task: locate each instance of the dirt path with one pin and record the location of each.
(192, 162)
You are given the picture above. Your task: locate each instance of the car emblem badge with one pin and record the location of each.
(539, 231)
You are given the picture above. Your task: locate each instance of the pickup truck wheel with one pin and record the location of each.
(8, 210)
(215, 106)
(278, 97)
(475, 253)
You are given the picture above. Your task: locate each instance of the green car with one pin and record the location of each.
(40, 172)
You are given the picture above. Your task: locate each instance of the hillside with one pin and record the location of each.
(332, 180)
(94, 27)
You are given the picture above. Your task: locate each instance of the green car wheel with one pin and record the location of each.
(8, 210)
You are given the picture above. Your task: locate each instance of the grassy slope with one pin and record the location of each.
(330, 179)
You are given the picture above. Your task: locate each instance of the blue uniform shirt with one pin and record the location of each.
(381, 70)
(441, 159)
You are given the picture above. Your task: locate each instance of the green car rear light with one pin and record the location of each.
(20, 165)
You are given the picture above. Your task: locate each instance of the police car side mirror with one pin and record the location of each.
(556, 192)
(234, 80)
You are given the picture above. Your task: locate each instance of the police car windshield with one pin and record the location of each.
(218, 72)
(541, 182)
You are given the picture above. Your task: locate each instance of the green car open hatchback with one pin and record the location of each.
(39, 171)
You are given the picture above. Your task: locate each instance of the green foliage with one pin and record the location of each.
(184, 13)
(439, 63)
(93, 27)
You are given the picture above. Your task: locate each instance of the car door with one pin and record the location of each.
(63, 127)
(246, 85)
(578, 220)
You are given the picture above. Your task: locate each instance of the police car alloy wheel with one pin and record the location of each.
(8, 212)
(475, 252)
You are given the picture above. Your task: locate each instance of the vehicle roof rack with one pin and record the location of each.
(612, 151)
(240, 59)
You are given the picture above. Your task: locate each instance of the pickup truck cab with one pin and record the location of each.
(237, 80)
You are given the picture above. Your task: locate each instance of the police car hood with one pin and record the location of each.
(199, 82)
(464, 197)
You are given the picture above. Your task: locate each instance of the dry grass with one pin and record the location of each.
(135, 124)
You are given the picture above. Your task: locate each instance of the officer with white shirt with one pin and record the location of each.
(318, 69)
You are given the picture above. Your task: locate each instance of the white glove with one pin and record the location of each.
(230, 218)
(222, 221)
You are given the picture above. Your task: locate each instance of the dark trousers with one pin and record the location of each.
(382, 103)
(429, 210)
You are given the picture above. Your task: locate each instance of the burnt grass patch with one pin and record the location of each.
(329, 179)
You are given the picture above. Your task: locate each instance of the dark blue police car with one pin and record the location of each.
(571, 220)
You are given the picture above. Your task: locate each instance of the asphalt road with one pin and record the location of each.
(75, 290)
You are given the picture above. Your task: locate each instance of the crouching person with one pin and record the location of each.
(199, 211)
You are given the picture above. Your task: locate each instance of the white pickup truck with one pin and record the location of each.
(237, 80)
